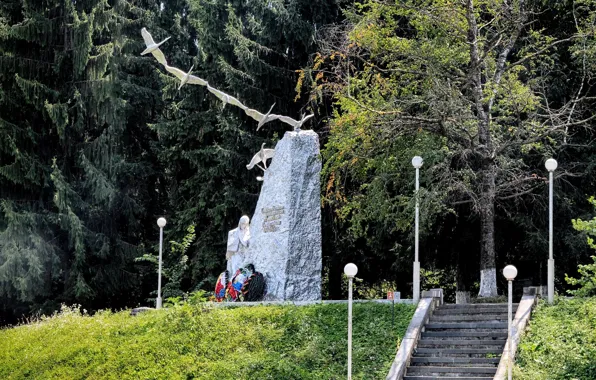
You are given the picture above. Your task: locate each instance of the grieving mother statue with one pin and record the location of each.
(238, 241)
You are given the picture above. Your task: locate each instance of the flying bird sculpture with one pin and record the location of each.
(153, 48)
(297, 124)
(225, 98)
(262, 119)
(185, 78)
(262, 156)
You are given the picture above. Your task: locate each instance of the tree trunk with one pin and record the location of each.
(488, 272)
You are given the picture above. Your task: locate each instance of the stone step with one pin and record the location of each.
(437, 354)
(458, 370)
(472, 362)
(457, 351)
(474, 305)
(467, 330)
(466, 325)
(449, 377)
(470, 311)
(460, 342)
(465, 334)
(468, 318)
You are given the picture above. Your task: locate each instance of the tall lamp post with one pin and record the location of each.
(161, 222)
(417, 164)
(350, 270)
(551, 166)
(510, 272)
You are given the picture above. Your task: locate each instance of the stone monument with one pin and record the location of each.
(286, 226)
(282, 245)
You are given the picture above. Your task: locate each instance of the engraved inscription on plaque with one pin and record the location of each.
(272, 219)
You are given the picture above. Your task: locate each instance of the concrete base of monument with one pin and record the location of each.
(285, 244)
(307, 303)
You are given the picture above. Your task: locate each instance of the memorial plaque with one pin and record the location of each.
(272, 218)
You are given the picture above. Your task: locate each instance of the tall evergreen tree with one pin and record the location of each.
(76, 171)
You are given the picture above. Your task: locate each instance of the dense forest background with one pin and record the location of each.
(97, 142)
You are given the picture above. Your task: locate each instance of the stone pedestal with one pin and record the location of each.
(285, 229)
(462, 297)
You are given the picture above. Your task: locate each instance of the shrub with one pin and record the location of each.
(203, 342)
(560, 342)
(586, 282)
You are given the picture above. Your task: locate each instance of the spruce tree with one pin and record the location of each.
(77, 171)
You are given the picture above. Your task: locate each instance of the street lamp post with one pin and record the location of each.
(161, 222)
(417, 164)
(350, 270)
(551, 166)
(510, 272)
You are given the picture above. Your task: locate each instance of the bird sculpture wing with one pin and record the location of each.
(268, 153)
(158, 54)
(220, 94)
(235, 102)
(267, 117)
(254, 114)
(192, 79)
(177, 72)
(255, 160)
(147, 37)
(305, 118)
(289, 120)
(294, 123)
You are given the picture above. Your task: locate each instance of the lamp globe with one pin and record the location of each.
(510, 272)
(350, 270)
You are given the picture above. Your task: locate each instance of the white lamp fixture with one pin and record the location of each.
(510, 272)
(417, 162)
(350, 271)
(551, 164)
(161, 222)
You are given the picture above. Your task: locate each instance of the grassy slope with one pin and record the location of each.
(560, 343)
(184, 342)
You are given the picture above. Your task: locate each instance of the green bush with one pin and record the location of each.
(586, 283)
(560, 342)
(201, 342)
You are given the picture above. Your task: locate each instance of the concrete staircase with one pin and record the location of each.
(461, 342)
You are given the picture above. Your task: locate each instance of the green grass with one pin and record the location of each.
(560, 342)
(194, 342)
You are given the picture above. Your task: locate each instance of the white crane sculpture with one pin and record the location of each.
(185, 78)
(262, 156)
(153, 48)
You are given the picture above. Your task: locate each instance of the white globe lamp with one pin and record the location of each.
(350, 270)
(417, 162)
(510, 272)
(551, 164)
